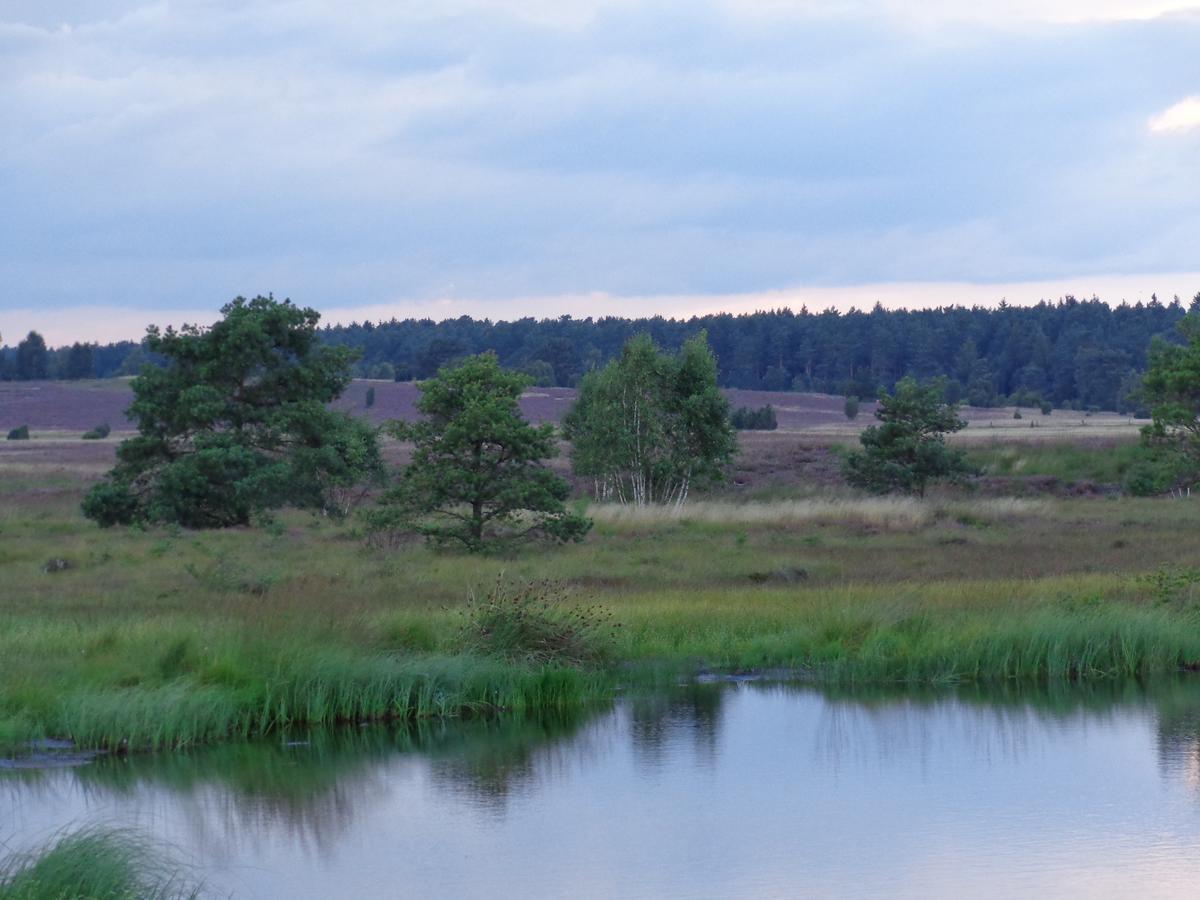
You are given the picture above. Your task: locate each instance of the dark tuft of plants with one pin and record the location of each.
(762, 419)
(536, 623)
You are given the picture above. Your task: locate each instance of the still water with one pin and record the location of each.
(713, 790)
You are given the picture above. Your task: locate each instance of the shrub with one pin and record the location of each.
(19, 434)
(370, 396)
(111, 503)
(851, 408)
(1017, 414)
(534, 623)
(1047, 407)
(762, 419)
(99, 433)
(1155, 472)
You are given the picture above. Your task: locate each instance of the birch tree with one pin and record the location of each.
(650, 427)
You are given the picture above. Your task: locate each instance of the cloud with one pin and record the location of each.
(1183, 116)
(159, 155)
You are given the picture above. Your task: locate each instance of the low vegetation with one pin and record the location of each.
(744, 418)
(95, 864)
(161, 636)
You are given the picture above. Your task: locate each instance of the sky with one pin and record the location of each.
(589, 157)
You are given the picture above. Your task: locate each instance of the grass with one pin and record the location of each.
(1064, 460)
(167, 638)
(95, 864)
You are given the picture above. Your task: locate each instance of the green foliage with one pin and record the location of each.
(20, 433)
(99, 433)
(477, 474)
(1047, 407)
(850, 408)
(370, 400)
(236, 424)
(96, 864)
(536, 624)
(907, 449)
(1172, 388)
(1173, 585)
(762, 419)
(540, 372)
(985, 352)
(650, 426)
(1155, 470)
(78, 363)
(33, 360)
(383, 371)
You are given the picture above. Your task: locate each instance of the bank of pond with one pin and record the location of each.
(731, 787)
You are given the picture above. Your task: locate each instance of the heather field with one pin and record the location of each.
(80, 405)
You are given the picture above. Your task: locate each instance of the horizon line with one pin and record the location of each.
(104, 324)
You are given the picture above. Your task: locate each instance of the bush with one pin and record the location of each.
(99, 433)
(370, 396)
(1156, 473)
(1047, 407)
(851, 408)
(762, 419)
(111, 503)
(533, 623)
(19, 434)
(1017, 414)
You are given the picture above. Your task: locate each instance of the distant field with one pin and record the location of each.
(77, 406)
(69, 406)
(799, 457)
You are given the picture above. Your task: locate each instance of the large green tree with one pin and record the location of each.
(1171, 387)
(477, 474)
(236, 423)
(650, 426)
(907, 449)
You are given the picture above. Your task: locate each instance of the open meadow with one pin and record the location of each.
(132, 637)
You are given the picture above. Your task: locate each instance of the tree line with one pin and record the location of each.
(1070, 353)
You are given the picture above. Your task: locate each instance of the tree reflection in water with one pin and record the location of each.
(309, 790)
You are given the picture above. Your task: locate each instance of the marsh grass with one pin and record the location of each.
(96, 864)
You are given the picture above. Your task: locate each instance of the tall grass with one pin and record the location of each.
(1066, 461)
(95, 864)
(881, 512)
(315, 687)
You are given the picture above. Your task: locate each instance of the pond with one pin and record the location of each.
(743, 789)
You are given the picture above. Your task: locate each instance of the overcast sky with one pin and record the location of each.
(538, 157)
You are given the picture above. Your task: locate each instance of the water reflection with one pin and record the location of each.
(813, 771)
(689, 714)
